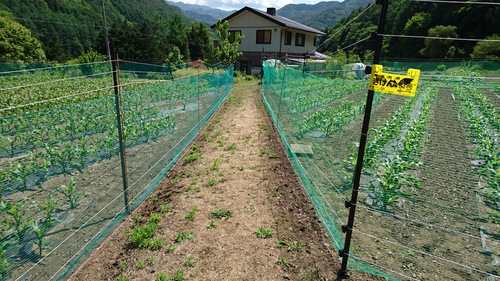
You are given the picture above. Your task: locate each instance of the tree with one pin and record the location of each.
(225, 51)
(17, 45)
(487, 50)
(200, 41)
(440, 48)
(177, 35)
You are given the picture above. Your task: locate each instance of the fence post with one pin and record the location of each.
(344, 253)
(119, 119)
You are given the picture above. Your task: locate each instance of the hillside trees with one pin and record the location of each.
(406, 17)
(17, 45)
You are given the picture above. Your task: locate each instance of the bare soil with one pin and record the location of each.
(242, 167)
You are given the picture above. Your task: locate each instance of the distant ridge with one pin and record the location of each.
(201, 13)
(323, 14)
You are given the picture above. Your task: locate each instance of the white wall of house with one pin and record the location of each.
(248, 23)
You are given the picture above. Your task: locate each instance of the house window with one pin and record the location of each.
(300, 39)
(263, 36)
(315, 41)
(288, 38)
(233, 34)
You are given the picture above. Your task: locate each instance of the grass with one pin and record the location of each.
(192, 214)
(189, 262)
(211, 224)
(284, 262)
(264, 233)
(221, 213)
(165, 208)
(183, 236)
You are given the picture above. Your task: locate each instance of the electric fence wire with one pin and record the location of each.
(55, 99)
(438, 38)
(53, 67)
(351, 45)
(430, 225)
(459, 2)
(113, 233)
(345, 26)
(469, 267)
(384, 269)
(55, 81)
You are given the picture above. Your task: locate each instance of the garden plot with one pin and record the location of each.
(430, 203)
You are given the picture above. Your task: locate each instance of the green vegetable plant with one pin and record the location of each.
(20, 220)
(72, 195)
(142, 235)
(264, 232)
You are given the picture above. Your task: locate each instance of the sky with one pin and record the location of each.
(238, 4)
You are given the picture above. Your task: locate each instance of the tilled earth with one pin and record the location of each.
(237, 166)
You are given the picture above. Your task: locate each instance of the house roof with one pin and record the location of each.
(279, 20)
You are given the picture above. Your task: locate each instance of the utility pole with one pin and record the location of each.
(344, 253)
(106, 39)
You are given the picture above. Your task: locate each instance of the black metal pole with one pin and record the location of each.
(344, 253)
(121, 138)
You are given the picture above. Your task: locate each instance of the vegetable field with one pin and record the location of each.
(61, 177)
(429, 206)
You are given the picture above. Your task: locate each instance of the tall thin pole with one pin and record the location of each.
(121, 137)
(106, 38)
(344, 253)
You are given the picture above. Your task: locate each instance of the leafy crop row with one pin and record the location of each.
(484, 125)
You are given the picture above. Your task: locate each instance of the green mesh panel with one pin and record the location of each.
(409, 145)
(58, 131)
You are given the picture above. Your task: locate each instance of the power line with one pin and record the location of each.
(438, 38)
(346, 25)
(458, 2)
(56, 22)
(353, 44)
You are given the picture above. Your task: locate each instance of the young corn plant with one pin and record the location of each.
(20, 220)
(72, 195)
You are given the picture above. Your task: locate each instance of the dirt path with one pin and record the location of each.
(236, 166)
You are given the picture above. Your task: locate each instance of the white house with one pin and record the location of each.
(266, 33)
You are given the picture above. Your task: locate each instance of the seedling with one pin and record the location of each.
(221, 213)
(17, 212)
(141, 264)
(122, 265)
(162, 277)
(294, 246)
(192, 214)
(165, 208)
(69, 191)
(272, 156)
(122, 278)
(186, 235)
(211, 224)
(284, 262)
(232, 147)
(189, 262)
(263, 232)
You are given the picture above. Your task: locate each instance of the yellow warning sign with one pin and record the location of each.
(397, 84)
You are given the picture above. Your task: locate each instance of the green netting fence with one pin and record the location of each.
(429, 203)
(61, 181)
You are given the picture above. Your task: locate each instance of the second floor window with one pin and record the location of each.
(288, 38)
(233, 34)
(300, 39)
(263, 36)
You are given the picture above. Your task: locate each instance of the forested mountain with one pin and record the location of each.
(68, 29)
(202, 13)
(323, 14)
(412, 18)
